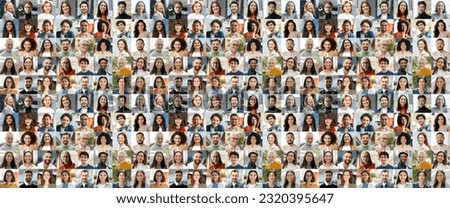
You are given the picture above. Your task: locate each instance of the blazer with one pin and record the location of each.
(217, 35)
(88, 185)
(389, 110)
(239, 16)
(89, 16)
(389, 16)
(369, 34)
(388, 185)
(89, 110)
(69, 34)
(217, 128)
(238, 185)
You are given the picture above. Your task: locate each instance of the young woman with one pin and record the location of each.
(102, 10)
(253, 48)
(347, 143)
(216, 180)
(197, 49)
(159, 11)
(65, 67)
(28, 139)
(178, 67)
(421, 180)
(178, 162)
(403, 48)
(139, 13)
(422, 140)
(422, 48)
(272, 48)
(347, 180)
(347, 49)
(197, 180)
(140, 30)
(178, 48)
(366, 179)
(440, 68)
(272, 142)
(159, 161)
(439, 180)
(196, 105)
(46, 9)
(47, 180)
(252, 180)
(346, 105)
(102, 180)
(28, 48)
(440, 30)
(159, 123)
(196, 10)
(65, 161)
(47, 86)
(328, 161)
(271, 180)
(440, 162)
(65, 105)
(309, 123)
(365, 11)
(327, 124)
(140, 162)
(440, 86)
(215, 11)
(9, 67)
(216, 161)
(346, 10)
(64, 11)
(309, 180)
(402, 10)
(309, 30)
(103, 142)
(403, 142)
(9, 29)
(103, 48)
(440, 11)
(290, 30)
(402, 180)
(365, 105)
(252, 10)
(46, 104)
(309, 161)
(122, 141)
(140, 123)
(365, 161)
(140, 180)
(28, 162)
(159, 67)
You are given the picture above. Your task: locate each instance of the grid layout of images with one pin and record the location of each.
(224, 94)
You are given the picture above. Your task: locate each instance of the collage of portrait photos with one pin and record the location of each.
(224, 94)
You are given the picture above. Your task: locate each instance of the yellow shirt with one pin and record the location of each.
(274, 165)
(423, 72)
(124, 72)
(274, 72)
(422, 166)
(124, 165)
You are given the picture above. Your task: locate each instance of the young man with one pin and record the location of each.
(420, 25)
(84, 32)
(122, 108)
(384, 180)
(290, 146)
(440, 52)
(121, 125)
(234, 105)
(196, 69)
(421, 7)
(85, 89)
(46, 69)
(271, 107)
(215, 49)
(346, 161)
(178, 183)
(384, 161)
(84, 176)
(83, 64)
(383, 63)
(196, 161)
(440, 146)
(384, 105)
(365, 49)
(346, 124)
(121, 8)
(234, 123)
(384, 8)
(84, 8)
(384, 118)
(328, 183)
(421, 101)
(346, 70)
(140, 146)
(271, 11)
(122, 33)
(233, 63)
(234, 183)
(84, 159)
(384, 32)
(272, 33)
(421, 121)
(271, 119)
(234, 9)
(234, 30)
(233, 157)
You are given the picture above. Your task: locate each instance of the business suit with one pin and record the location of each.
(386, 91)
(237, 185)
(87, 91)
(387, 185)
(87, 185)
